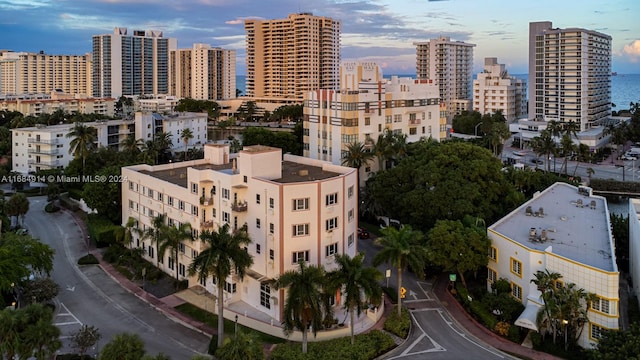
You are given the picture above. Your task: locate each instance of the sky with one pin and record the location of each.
(373, 30)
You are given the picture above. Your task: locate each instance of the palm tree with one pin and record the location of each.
(382, 149)
(359, 284)
(186, 136)
(303, 305)
(149, 154)
(544, 145)
(84, 138)
(567, 145)
(156, 232)
(163, 143)
(224, 252)
(132, 145)
(172, 239)
(401, 248)
(126, 233)
(545, 282)
(356, 156)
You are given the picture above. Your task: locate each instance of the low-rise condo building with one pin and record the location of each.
(294, 209)
(566, 230)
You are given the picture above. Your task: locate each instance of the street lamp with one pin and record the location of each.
(475, 130)
(236, 334)
(564, 327)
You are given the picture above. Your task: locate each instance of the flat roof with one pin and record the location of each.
(178, 175)
(576, 226)
(293, 172)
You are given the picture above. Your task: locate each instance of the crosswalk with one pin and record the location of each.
(68, 324)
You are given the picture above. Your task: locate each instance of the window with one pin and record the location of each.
(258, 223)
(181, 269)
(271, 254)
(516, 267)
(350, 215)
(170, 200)
(332, 199)
(492, 276)
(170, 262)
(213, 190)
(180, 204)
(332, 249)
(258, 248)
(159, 196)
(596, 332)
(150, 193)
(194, 188)
(300, 229)
(272, 203)
(265, 295)
(150, 251)
(229, 287)
(130, 204)
(257, 198)
(299, 256)
(272, 228)
(300, 204)
(181, 248)
(194, 210)
(226, 217)
(245, 179)
(516, 291)
(350, 192)
(226, 194)
(601, 305)
(331, 223)
(130, 186)
(493, 253)
(350, 240)
(194, 254)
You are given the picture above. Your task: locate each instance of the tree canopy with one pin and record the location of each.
(284, 140)
(443, 181)
(21, 255)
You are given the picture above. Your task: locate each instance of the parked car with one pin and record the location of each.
(537, 161)
(22, 231)
(363, 234)
(628, 158)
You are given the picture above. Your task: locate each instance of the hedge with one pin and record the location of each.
(88, 259)
(102, 230)
(67, 203)
(398, 325)
(367, 346)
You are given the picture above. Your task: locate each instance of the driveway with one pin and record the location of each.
(89, 296)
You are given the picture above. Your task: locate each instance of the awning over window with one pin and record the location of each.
(528, 317)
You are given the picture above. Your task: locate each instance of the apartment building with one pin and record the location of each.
(155, 103)
(286, 58)
(203, 73)
(634, 247)
(449, 64)
(564, 229)
(366, 106)
(133, 63)
(569, 75)
(494, 89)
(37, 104)
(44, 147)
(39, 73)
(294, 209)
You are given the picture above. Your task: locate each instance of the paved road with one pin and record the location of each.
(89, 296)
(435, 335)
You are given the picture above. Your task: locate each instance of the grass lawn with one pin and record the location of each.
(229, 326)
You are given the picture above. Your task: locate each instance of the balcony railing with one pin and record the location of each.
(239, 206)
(205, 201)
(206, 225)
(45, 152)
(41, 141)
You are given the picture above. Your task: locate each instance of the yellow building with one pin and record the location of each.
(286, 58)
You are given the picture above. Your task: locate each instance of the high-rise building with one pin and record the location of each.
(450, 65)
(494, 89)
(286, 58)
(203, 73)
(131, 64)
(30, 73)
(367, 106)
(569, 75)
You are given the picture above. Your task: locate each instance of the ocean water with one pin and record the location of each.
(625, 88)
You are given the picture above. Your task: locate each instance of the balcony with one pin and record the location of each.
(206, 225)
(239, 206)
(44, 152)
(206, 201)
(41, 141)
(51, 163)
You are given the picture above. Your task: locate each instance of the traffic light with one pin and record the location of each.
(403, 292)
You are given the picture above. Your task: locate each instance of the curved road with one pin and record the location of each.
(89, 296)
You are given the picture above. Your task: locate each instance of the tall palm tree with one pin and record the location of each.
(568, 147)
(163, 142)
(545, 282)
(401, 248)
(356, 156)
(584, 155)
(359, 284)
(172, 239)
(125, 234)
(544, 145)
(132, 145)
(156, 232)
(84, 138)
(382, 149)
(186, 136)
(149, 154)
(303, 305)
(224, 252)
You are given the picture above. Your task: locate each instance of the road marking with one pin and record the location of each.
(67, 313)
(71, 288)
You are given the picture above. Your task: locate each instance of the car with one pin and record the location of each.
(537, 161)
(363, 234)
(22, 231)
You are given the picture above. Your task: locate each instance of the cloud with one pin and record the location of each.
(240, 20)
(24, 4)
(632, 50)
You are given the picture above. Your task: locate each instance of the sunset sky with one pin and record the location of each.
(381, 31)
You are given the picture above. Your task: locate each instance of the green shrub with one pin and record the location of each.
(102, 230)
(391, 293)
(514, 334)
(113, 254)
(213, 345)
(182, 284)
(67, 203)
(481, 313)
(75, 193)
(398, 325)
(367, 346)
(88, 259)
(462, 294)
(536, 339)
(51, 207)
(124, 271)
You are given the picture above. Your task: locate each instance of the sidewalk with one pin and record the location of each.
(465, 320)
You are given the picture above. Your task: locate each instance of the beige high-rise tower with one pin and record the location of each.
(286, 58)
(450, 65)
(203, 72)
